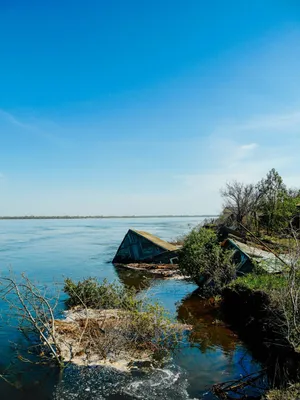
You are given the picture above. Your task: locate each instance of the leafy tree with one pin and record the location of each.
(277, 203)
(205, 261)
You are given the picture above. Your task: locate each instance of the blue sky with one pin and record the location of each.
(139, 107)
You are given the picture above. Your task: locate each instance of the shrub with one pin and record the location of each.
(205, 261)
(103, 295)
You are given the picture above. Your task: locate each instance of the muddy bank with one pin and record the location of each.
(259, 325)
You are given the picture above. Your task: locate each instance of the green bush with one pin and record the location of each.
(104, 295)
(205, 261)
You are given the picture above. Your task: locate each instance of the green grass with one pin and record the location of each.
(278, 243)
(266, 282)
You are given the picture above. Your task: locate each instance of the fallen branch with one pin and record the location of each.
(222, 390)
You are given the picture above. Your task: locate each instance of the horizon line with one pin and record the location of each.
(105, 216)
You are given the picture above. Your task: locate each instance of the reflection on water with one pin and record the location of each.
(209, 332)
(137, 279)
(50, 250)
(214, 354)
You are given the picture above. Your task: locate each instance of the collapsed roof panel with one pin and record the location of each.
(140, 246)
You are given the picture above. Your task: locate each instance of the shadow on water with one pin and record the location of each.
(28, 381)
(137, 279)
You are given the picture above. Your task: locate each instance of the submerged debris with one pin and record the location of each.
(166, 271)
(140, 246)
(245, 256)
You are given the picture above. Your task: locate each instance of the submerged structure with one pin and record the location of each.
(246, 256)
(140, 246)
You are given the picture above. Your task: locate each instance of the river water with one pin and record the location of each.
(50, 250)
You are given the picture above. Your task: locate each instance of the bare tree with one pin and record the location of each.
(241, 200)
(34, 313)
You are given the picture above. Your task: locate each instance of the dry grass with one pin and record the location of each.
(291, 393)
(115, 337)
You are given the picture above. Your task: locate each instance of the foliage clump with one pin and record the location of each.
(205, 261)
(100, 296)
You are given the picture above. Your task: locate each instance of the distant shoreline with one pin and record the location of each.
(107, 217)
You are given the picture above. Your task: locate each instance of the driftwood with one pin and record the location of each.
(231, 389)
(161, 270)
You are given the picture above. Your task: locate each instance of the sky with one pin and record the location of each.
(144, 107)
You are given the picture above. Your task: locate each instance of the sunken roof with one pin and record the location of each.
(156, 240)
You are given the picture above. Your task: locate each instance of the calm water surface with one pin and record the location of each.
(49, 250)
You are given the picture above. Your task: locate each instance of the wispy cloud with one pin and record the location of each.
(13, 120)
(229, 157)
(244, 151)
(247, 147)
(272, 122)
(36, 128)
(288, 123)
